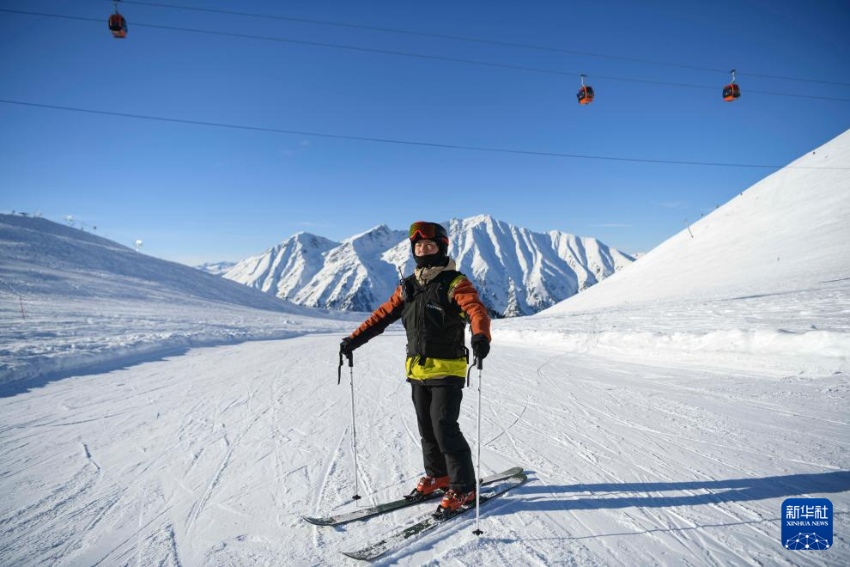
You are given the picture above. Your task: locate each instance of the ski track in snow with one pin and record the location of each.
(210, 459)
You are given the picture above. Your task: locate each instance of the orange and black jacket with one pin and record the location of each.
(434, 316)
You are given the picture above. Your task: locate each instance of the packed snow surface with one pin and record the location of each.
(662, 416)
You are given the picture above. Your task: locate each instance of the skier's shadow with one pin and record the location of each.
(536, 496)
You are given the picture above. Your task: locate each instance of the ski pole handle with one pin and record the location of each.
(350, 357)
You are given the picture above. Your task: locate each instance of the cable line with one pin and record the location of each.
(471, 40)
(395, 141)
(413, 55)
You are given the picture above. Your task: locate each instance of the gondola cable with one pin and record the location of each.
(399, 141)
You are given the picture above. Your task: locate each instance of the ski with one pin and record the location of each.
(385, 507)
(404, 536)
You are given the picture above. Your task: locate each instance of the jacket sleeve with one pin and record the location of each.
(466, 296)
(389, 312)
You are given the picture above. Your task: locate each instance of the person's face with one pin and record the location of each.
(425, 248)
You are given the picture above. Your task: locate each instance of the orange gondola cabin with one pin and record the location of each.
(731, 91)
(118, 25)
(585, 94)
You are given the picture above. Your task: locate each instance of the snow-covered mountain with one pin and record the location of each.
(314, 271)
(517, 271)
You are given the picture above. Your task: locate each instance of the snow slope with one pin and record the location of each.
(765, 275)
(666, 430)
(70, 299)
(791, 225)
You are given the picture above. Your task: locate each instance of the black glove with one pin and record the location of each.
(345, 347)
(480, 346)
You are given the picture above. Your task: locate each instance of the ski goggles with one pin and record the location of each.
(421, 230)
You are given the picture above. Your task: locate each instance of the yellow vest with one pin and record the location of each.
(435, 368)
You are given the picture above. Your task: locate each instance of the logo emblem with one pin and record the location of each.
(807, 524)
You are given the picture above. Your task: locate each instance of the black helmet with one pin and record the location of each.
(422, 230)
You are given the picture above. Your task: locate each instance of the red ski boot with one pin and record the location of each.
(453, 501)
(427, 486)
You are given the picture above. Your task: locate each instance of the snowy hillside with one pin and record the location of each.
(71, 299)
(781, 249)
(216, 268)
(794, 223)
(663, 416)
(518, 272)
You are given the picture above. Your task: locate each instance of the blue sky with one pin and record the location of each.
(237, 151)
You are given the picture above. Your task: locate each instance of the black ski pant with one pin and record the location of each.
(444, 449)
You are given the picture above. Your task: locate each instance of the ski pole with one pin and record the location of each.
(350, 358)
(477, 530)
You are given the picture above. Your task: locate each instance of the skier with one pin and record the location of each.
(434, 305)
